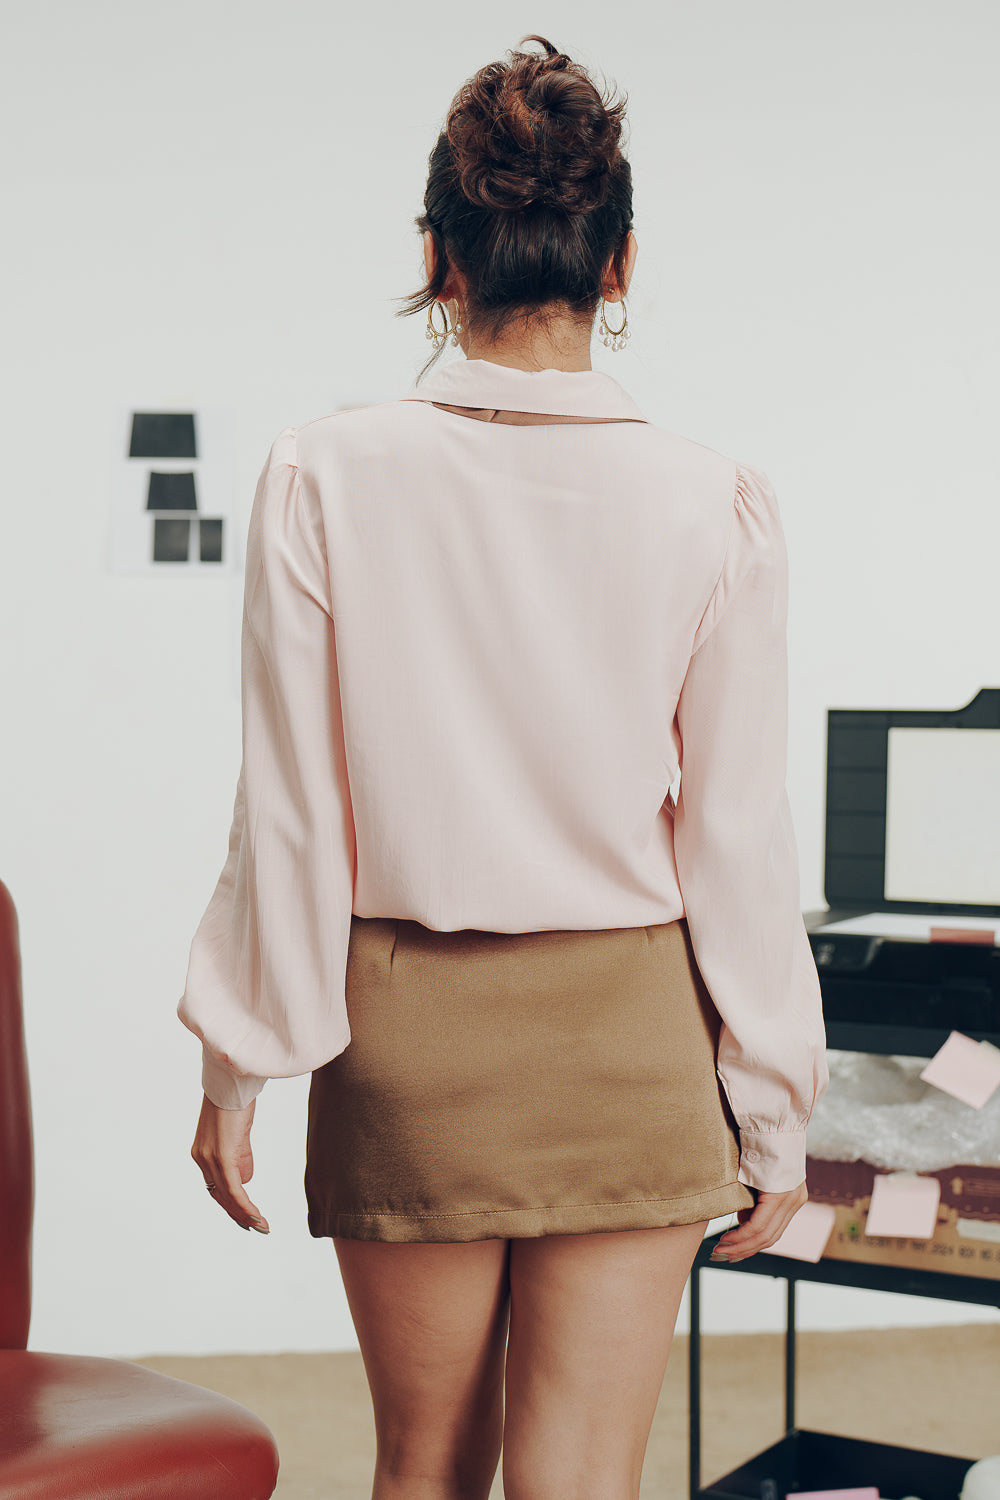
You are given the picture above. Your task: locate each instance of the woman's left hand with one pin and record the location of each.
(222, 1151)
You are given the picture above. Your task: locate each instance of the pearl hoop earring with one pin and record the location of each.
(440, 337)
(615, 338)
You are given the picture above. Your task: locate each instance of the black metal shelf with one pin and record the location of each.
(866, 1010)
(822, 1460)
(808, 1460)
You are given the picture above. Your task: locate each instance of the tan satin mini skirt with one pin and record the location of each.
(508, 1085)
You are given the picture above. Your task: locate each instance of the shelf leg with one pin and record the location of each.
(694, 1386)
(790, 1354)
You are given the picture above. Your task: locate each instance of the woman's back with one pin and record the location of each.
(514, 614)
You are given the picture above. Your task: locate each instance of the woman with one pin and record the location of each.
(486, 625)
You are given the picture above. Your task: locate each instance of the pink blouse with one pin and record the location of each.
(474, 657)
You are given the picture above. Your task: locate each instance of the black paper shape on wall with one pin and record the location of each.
(171, 539)
(171, 492)
(210, 539)
(163, 434)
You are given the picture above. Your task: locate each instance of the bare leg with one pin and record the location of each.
(591, 1323)
(432, 1323)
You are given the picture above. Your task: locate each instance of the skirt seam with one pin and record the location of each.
(467, 1213)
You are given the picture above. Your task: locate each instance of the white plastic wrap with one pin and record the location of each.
(878, 1109)
(982, 1482)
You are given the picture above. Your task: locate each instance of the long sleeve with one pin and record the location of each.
(737, 860)
(265, 978)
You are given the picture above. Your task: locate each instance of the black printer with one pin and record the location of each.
(904, 951)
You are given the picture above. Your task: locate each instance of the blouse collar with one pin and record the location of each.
(572, 393)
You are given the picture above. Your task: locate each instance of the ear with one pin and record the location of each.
(430, 254)
(630, 255)
(611, 291)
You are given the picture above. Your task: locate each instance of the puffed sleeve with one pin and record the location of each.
(736, 854)
(265, 979)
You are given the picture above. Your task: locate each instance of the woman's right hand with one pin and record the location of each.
(222, 1151)
(761, 1225)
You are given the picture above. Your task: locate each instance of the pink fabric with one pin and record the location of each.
(474, 657)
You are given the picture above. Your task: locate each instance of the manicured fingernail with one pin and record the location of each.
(259, 1226)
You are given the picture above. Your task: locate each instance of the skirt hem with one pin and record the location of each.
(531, 1222)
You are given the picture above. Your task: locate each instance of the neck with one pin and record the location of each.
(560, 348)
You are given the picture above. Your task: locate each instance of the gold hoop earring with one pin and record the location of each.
(440, 337)
(611, 336)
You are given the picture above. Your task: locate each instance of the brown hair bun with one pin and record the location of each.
(535, 131)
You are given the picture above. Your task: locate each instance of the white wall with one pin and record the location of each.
(212, 202)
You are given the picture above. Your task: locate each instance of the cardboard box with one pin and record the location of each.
(966, 1241)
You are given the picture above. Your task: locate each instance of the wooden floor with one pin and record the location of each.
(936, 1389)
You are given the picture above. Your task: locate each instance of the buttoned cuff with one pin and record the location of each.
(223, 1086)
(773, 1161)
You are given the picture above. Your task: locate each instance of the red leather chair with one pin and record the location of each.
(77, 1427)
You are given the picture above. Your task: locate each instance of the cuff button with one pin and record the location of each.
(753, 1156)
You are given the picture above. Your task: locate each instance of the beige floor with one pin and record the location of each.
(936, 1389)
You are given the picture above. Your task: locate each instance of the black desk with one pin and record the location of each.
(814, 1460)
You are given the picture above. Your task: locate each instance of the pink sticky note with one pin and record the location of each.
(904, 1205)
(805, 1235)
(969, 1070)
(869, 1492)
(985, 935)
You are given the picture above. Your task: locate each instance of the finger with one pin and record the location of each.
(232, 1197)
(766, 1224)
(731, 1250)
(754, 1232)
